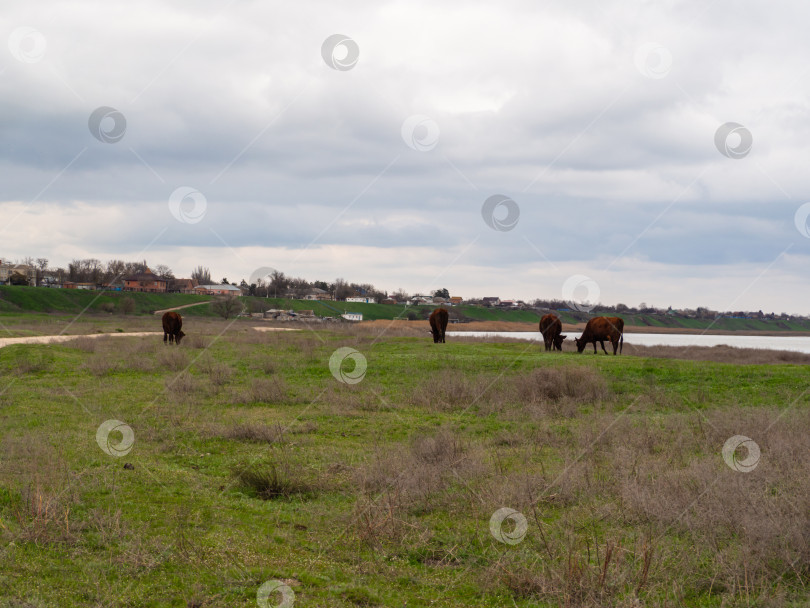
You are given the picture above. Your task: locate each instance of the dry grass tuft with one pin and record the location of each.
(720, 354)
(275, 480)
(172, 358)
(445, 391)
(86, 344)
(263, 390)
(196, 341)
(576, 382)
(101, 365)
(44, 502)
(262, 433)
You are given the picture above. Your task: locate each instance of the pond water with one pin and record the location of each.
(795, 343)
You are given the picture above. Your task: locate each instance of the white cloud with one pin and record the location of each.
(306, 164)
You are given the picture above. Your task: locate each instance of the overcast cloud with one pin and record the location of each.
(598, 119)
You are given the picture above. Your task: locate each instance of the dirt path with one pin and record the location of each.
(160, 312)
(55, 339)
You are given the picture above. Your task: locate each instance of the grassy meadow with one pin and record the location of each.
(257, 461)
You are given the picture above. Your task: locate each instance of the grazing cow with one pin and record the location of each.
(551, 328)
(438, 324)
(172, 324)
(600, 329)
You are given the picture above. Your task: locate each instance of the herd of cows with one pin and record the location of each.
(598, 329)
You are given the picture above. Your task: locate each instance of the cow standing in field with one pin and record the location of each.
(551, 328)
(438, 324)
(600, 329)
(172, 327)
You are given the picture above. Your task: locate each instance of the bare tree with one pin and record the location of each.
(341, 289)
(278, 283)
(201, 275)
(227, 307)
(164, 272)
(42, 265)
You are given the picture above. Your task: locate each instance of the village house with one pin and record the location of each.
(77, 285)
(218, 290)
(8, 269)
(146, 281)
(455, 300)
(493, 301)
(182, 286)
(362, 300)
(353, 316)
(317, 293)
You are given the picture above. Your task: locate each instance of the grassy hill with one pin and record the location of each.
(71, 301)
(40, 299)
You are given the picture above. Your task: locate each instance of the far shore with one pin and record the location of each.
(575, 328)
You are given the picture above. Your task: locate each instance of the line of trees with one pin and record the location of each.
(277, 285)
(92, 270)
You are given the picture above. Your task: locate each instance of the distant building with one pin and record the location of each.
(389, 301)
(316, 293)
(75, 285)
(181, 286)
(362, 300)
(456, 300)
(146, 281)
(353, 316)
(491, 301)
(218, 290)
(7, 269)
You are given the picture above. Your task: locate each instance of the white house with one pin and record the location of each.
(362, 300)
(353, 316)
(218, 290)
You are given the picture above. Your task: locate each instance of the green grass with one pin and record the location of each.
(39, 299)
(253, 463)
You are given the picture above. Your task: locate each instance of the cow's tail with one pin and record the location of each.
(621, 342)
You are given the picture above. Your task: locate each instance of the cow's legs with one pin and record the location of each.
(165, 337)
(602, 343)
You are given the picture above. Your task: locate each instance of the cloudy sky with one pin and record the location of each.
(621, 151)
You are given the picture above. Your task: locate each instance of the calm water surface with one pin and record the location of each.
(795, 343)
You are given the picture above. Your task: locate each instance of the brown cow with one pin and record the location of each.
(438, 324)
(172, 324)
(600, 329)
(551, 328)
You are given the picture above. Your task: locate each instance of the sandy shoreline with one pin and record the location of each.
(574, 328)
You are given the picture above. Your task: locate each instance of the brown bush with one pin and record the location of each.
(445, 391)
(101, 365)
(262, 433)
(84, 343)
(721, 354)
(172, 358)
(263, 390)
(577, 382)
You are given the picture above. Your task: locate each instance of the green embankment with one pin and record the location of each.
(40, 299)
(70, 301)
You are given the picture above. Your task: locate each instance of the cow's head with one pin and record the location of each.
(581, 344)
(558, 342)
(178, 336)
